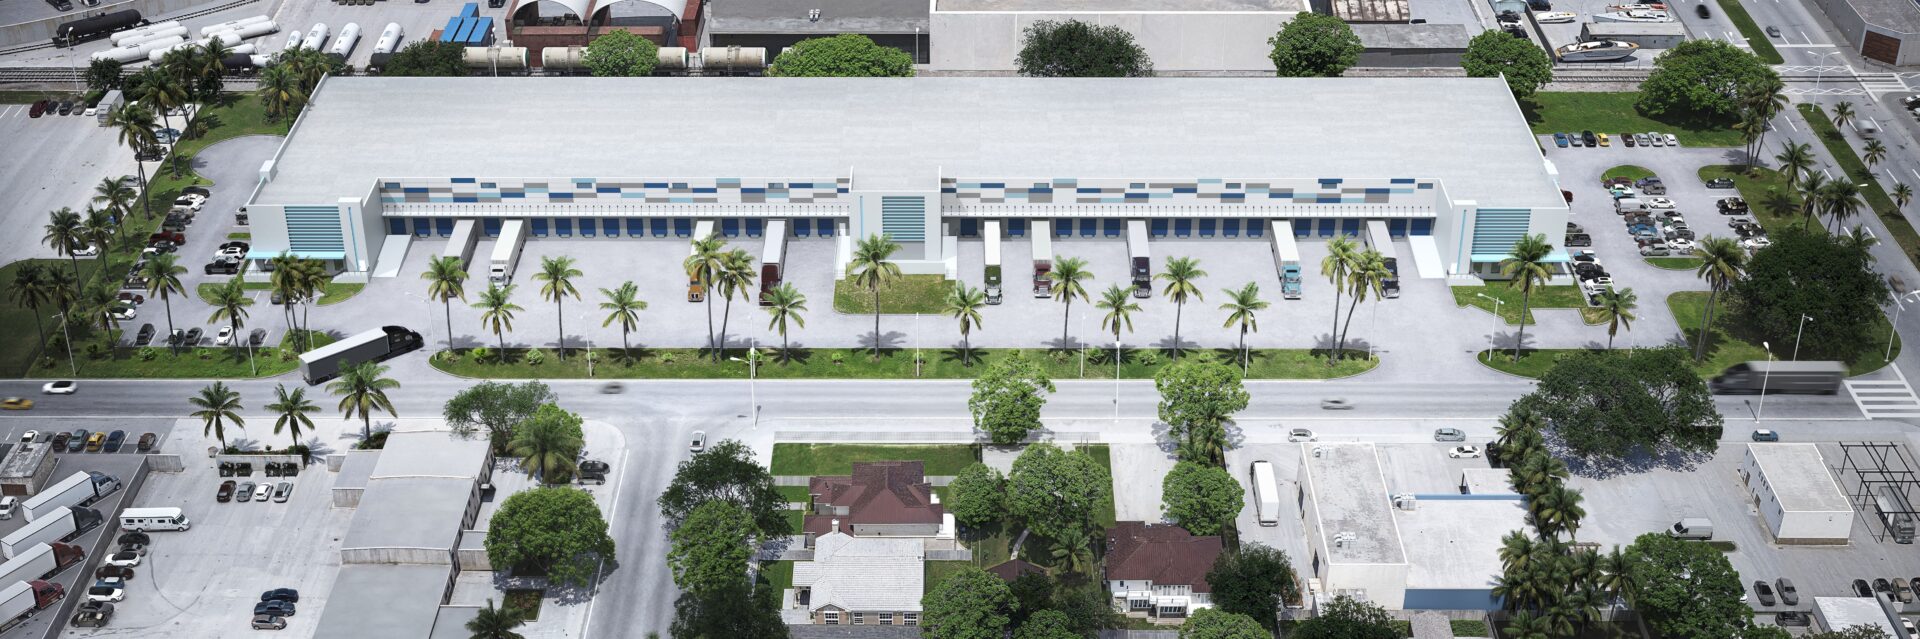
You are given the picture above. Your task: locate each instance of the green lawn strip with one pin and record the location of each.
(205, 362)
(904, 295)
(1762, 46)
(1533, 363)
(1627, 171)
(1568, 112)
(17, 322)
(1546, 297)
(30, 97)
(1674, 263)
(938, 571)
(1769, 200)
(1724, 349)
(242, 235)
(778, 574)
(1104, 456)
(683, 363)
(796, 519)
(793, 494)
(336, 293)
(838, 459)
(1469, 628)
(1875, 194)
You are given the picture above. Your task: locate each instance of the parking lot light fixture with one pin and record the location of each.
(1496, 323)
(1796, 335)
(1764, 377)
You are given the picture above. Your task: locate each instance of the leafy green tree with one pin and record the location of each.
(1032, 593)
(1860, 631)
(1347, 618)
(978, 495)
(362, 389)
(1314, 45)
(1609, 405)
(103, 75)
(728, 472)
(1047, 624)
(555, 531)
(969, 604)
(1210, 623)
(711, 548)
(1255, 580)
(496, 623)
(428, 58)
(1703, 78)
(1495, 53)
(1007, 398)
(496, 407)
(872, 266)
(1686, 589)
(1812, 275)
(1198, 398)
(548, 444)
(1088, 606)
(1055, 491)
(1203, 499)
(219, 406)
(848, 55)
(620, 54)
(737, 609)
(1075, 49)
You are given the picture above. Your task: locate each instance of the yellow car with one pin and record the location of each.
(1603, 139)
(16, 403)
(95, 441)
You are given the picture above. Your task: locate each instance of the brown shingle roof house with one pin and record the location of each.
(880, 499)
(1159, 570)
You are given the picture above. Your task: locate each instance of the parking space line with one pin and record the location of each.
(1803, 34)
(1916, 174)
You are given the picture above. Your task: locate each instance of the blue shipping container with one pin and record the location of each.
(465, 30)
(453, 25)
(470, 10)
(482, 33)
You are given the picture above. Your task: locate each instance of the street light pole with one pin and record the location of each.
(753, 373)
(1496, 323)
(1897, 307)
(1796, 336)
(1764, 377)
(1820, 69)
(68, 338)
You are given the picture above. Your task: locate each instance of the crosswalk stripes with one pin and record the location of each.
(1885, 398)
(1882, 82)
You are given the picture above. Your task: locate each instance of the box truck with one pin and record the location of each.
(21, 599)
(40, 562)
(1042, 258)
(1780, 377)
(1286, 258)
(1266, 494)
(466, 237)
(773, 259)
(103, 111)
(60, 525)
(325, 363)
(1139, 264)
(78, 489)
(992, 237)
(1894, 511)
(1382, 242)
(506, 251)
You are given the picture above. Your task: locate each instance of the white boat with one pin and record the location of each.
(1553, 17)
(1634, 15)
(1631, 7)
(1597, 51)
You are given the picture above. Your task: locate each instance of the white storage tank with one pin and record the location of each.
(255, 29)
(673, 58)
(150, 36)
(293, 40)
(121, 36)
(562, 58)
(315, 37)
(496, 57)
(389, 38)
(232, 25)
(228, 38)
(244, 48)
(742, 58)
(349, 36)
(135, 54)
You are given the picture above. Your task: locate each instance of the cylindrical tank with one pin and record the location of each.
(245, 47)
(293, 40)
(389, 38)
(117, 37)
(261, 60)
(745, 58)
(673, 58)
(254, 29)
(154, 55)
(562, 58)
(134, 54)
(154, 35)
(349, 36)
(238, 62)
(496, 57)
(232, 25)
(315, 37)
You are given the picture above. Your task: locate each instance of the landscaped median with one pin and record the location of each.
(907, 294)
(1856, 170)
(1544, 298)
(1674, 263)
(330, 293)
(160, 362)
(848, 363)
(1750, 31)
(1770, 203)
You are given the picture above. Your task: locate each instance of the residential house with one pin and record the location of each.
(858, 581)
(1159, 570)
(880, 499)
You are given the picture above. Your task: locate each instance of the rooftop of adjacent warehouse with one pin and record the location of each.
(1799, 478)
(1350, 495)
(1454, 544)
(1120, 6)
(794, 16)
(373, 601)
(895, 133)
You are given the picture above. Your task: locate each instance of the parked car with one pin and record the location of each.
(1793, 618)
(1788, 595)
(1673, 140)
(96, 441)
(224, 337)
(1604, 141)
(1901, 591)
(1627, 139)
(256, 337)
(115, 440)
(1575, 139)
(1449, 435)
(193, 336)
(1642, 139)
(66, 106)
(146, 442)
(263, 492)
(77, 441)
(1656, 139)
(124, 559)
(1764, 592)
(38, 109)
(1464, 452)
(276, 608)
(225, 494)
(1655, 249)
(92, 614)
(1300, 435)
(1589, 138)
(116, 572)
(135, 537)
(1579, 239)
(144, 336)
(1765, 435)
(61, 387)
(288, 595)
(1659, 203)
(59, 442)
(1560, 140)
(236, 245)
(244, 492)
(699, 441)
(1861, 589)
(29, 437)
(1732, 206)
(269, 622)
(1720, 183)
(1882, 585)
(109, 590)
(123, 312)
(281, 491)
(223, 265)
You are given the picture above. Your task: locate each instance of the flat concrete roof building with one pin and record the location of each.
(1456, 171)
(777, 24)
(1840, 613)
(1453, 549)
(1798, 497)
(384, 600)
(26, 469)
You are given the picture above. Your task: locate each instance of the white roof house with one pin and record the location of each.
(1796, 494)
(858, 574)
(1839, 613)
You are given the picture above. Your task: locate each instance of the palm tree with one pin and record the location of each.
(114, 192)
(1842, 199)
(623, 305)
(1538, 472)
(785, 304)
(291, 408)
(558, 273)
(703, 266)
(1366, 275)
(1182, 275)
(496, 310)
(496, 623)
(1516, 549)
(1068, 276)
(218, 406)
(64, 234)
(1795, 159)
(1722, 262)
(310, 279)
(98, 299)
(1616, 309)
(544, 447)
(1842, 114)
(1765, 100)
(165, 92)
(1858, 237)
(133, 125)
(230, 302)
(280, 91)
(1517, 433)
(1612, 580)
(1902, 194)
(1118, 303)
(211, 68)
(1525, 268)
(1813, 193)
(1874, 153)
(363, 389)
(1074, 550)
(31, 288)
(735, 280)
(964, 304)
(1526, 625)
(872, 267)
(163, 281)
(446, 279)
(285, 282)
(1241, 307)
(1339, 260)
(1558, 508)
(98, 229)
(1751, 126)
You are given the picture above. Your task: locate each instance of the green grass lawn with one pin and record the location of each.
(17, 322)
(944, 363)
(1725, 349)
(779, 574)
(1546, 297)
(796, 519)
(794, 494)
(30, 97)
(1628, 171)
(1533, 362)
(938, 571)
(1566, 112)
(1762, 46)
(1104, 456)
(330, 294)
(904, 295)
(1856, 169)
(1674, 263)
(206, 362)
(242, 235)
(1771, 203)
(838, 459)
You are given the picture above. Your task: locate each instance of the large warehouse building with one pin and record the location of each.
(1448, 163)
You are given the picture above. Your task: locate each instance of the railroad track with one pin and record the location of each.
(196, 13)
(54, 76)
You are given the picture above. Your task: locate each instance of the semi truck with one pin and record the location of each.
(96, 27)
(773, 260)
(79, 489)
(380, 344)
(103, 111)
(1382, 242)
(506, 251)
(466, 237)
(61, 525)
(40, 562)
(1138, 261)
(992, 237)
(1780, 377)
(1896, 513)
(1286, 258)
(21, 599)
(1042, 258)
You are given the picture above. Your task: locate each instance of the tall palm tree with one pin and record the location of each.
(1795, 159)
(163, 281)
(64, 289)
(784, 305)
(98, 300)
(65, 233)
(1517, 433)
(1813, 193)
(496, 623)
(496, 311)
(1242, 307)
(1527, 625)
(703, 267)
(1902, 194)
(1339, 261)
(285, 282)
(1859, 237)
(1069, 277)
(1751, 126)
(31, 288)
(735, 279)
(133, 127)
(1874, 153)
(362, 389)
(1118, 303)
(1842, 114)
(1616, 309)
(310, 279)
(98, 229)
(165, 91)
(964, 304)
(1722, 262)
(1182, 275)
(1559, 509)
(446, 279)
(1612, 580)
(1526, 267)
(558, 273)
(1842, 200)
(544, 447)
(211, 68)
(1074, 550)
(114, 192)
(1367, 274)
(623, 305)
(1538, 472)
(280, 91)
(1765, 101)
(290, 408)
(230, 302)
(871, 267)
(218, 406)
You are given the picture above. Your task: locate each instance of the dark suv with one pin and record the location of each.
(145, 336)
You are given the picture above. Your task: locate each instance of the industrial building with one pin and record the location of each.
(25, 469)
(1797, 496)
(777, 24)
(924, 160)
(1878, 29)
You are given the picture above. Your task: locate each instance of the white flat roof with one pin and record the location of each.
(906, 133)
(1454, 544)
(376, 601)
(1799, 478)
(1350, 494)
(1840, 613)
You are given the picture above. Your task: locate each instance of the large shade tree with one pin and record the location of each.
(1075, 49)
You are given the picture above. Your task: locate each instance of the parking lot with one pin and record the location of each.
(51, 162)
(1684, 13)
